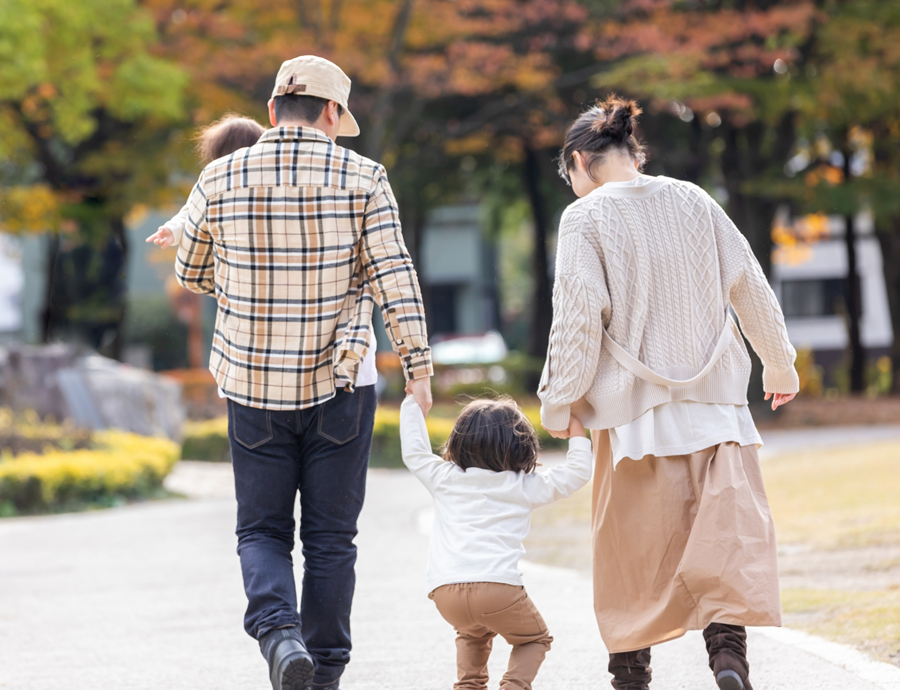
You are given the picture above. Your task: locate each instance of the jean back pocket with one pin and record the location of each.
(339, 418)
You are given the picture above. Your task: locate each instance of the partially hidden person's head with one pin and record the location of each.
(602, 135)
(313, 92)
(226, 135)
(493, 435)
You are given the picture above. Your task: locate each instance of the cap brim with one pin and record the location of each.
(349, 127)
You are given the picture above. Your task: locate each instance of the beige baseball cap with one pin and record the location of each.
(310, 75)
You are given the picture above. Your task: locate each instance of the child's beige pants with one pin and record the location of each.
(481, 610)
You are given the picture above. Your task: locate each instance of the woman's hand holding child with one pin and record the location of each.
(576, 428)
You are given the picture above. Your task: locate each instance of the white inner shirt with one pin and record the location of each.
(681, 428)
(368, 374)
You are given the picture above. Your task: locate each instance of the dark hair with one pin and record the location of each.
(608, 125)
(292, 107)
(226, 135)
(493, 435)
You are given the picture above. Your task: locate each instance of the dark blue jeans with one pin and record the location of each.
(323, 453)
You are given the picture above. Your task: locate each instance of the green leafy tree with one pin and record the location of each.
(847, 99)
(87, 116)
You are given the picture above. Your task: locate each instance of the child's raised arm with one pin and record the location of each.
(542, 488)
(416, 446)
(170, 232)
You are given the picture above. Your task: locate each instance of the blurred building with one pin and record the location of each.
(810, 279)
(457, 270)
(12, 287)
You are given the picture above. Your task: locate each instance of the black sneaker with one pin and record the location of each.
(290, 666)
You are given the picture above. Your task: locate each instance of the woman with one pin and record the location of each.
(643, 351)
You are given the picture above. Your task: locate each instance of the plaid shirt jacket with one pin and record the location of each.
(298, 238)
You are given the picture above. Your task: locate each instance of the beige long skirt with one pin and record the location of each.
(681, 542)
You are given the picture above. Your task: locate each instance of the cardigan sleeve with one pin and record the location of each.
(758, 311)
(580, 301)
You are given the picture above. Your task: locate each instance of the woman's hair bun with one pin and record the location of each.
(608, 125)
(618, 120)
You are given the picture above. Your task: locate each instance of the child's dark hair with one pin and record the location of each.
(493, 435)
(226, 135)
(607, 126)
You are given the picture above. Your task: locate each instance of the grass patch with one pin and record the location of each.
(836, 497)
(867, 620)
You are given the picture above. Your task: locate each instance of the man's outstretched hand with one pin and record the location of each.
(420, 389)
(779, 399)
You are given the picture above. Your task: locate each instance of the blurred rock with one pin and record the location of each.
(93, 391)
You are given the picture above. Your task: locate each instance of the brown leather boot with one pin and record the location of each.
(727, 647)
(631, 670)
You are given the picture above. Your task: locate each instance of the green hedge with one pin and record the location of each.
(207, 440)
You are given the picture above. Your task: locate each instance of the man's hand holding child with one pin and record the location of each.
(420, 389)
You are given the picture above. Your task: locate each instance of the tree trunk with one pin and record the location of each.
(542, 314)
(853, 296)
(890, 262)
(853, 305)
(48, 317)
(382, 109)
(116, 348)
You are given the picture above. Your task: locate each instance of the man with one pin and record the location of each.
(298, 238)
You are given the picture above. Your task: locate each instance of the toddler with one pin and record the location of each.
(484, 489)
(221, 138)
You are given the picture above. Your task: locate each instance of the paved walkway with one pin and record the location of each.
(149, 597)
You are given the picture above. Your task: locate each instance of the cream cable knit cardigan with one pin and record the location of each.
(657, 265)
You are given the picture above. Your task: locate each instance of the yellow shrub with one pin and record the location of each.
(122, 464)
(25, 432)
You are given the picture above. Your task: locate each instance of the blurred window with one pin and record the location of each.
(441, 308)
(804, 299)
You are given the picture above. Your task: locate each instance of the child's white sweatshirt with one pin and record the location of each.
(481, 517)
(176, 224)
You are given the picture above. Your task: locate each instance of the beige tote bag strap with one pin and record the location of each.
(639, 369)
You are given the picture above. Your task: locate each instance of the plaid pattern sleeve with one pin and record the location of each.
(298, 239)
(394, 279)
(194, 267)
